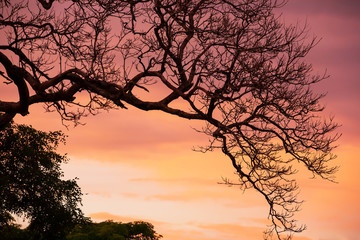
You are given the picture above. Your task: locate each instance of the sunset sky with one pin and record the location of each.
(136, 165)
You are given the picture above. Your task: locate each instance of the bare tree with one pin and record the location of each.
(231, 63)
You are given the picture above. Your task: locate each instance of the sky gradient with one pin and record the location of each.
(136, 165)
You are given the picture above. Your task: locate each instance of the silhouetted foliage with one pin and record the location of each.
(88, 230)
(14, 232)
(231, 63)
(109, 230)
(31, 183)
(9, 230)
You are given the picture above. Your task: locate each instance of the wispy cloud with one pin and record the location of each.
(197, 231)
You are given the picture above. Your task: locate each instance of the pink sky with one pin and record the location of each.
(137, 165)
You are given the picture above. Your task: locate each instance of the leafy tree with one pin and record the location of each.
(231, 63)
(109, 230)
(88, 230)
(9, 230)
(31, 183)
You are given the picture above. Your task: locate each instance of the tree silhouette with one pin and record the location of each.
(89, 230)
(31, 184)
(110, 230)
(231, 63)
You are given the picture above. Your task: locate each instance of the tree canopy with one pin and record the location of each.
(110, 230)
(31, 183)
(89, 230)
(233, 64)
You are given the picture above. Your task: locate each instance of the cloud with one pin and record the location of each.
(198, 189)
(103, 194)
(122, 135)
(230, 199)
(130, 195)
(344, 8)
(145, 166)
(169, 231)
(234, 231)
(195, 230)
(103, 216)
(183, 181)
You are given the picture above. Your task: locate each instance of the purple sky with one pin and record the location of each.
(153, 174)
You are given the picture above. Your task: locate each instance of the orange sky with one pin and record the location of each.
(137, 165)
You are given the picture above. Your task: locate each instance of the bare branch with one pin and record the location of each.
(231, 63)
